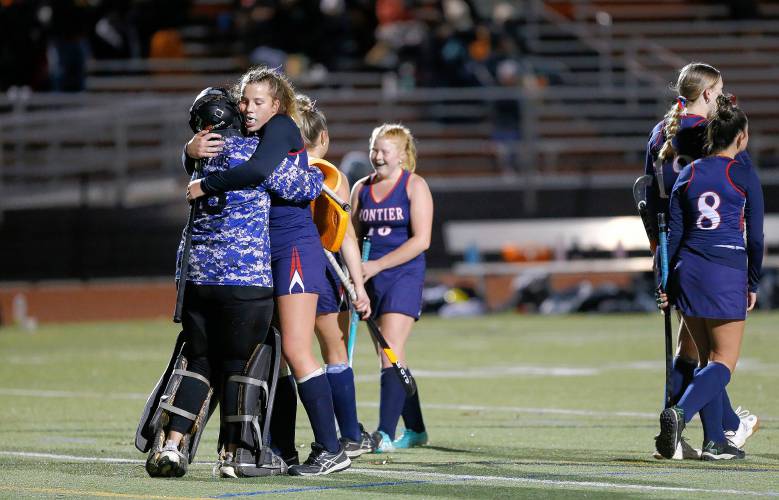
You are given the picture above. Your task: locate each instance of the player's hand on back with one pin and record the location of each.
(205, 144)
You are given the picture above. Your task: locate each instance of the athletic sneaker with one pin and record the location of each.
(409, 439)
(749, 425)
(354, 449)
(721, 451)
(671, 427)
(321, 462)
(383, 442)
(225, 466)
(171, 463)
(684, 451)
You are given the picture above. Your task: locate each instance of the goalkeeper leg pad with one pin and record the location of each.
(257, 389)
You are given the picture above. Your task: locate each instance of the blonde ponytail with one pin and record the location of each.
(673, 119)
(311, 120)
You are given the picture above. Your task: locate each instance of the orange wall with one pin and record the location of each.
(75, 301)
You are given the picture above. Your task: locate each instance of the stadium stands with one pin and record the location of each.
(591, 81)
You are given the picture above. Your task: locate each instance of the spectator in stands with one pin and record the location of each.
(23, 51)
(114, 36)
(69, 25)
(506, 117)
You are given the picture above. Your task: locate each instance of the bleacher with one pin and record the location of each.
(602, 68)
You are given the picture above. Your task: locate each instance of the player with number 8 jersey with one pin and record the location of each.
(715, 199)
(716, 251)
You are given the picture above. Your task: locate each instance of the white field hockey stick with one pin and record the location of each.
(329, 192)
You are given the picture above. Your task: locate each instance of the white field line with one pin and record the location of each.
(411, 474)
(38, 393)
(33, 393)
(533, 411)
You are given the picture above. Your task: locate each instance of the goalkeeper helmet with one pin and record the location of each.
(214, 108)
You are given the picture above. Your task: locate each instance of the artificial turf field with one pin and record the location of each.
(516, 406)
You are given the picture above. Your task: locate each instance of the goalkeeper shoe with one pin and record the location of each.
(171, 462)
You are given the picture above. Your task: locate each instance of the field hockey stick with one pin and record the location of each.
(329, 192)
(409, 384)
(663, 246)
(354, 319)
(639, 196)
(184, 264)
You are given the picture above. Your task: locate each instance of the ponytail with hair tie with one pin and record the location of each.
(681, 101)
(724, 125)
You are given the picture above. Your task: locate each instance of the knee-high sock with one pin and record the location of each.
(393, 398)
(412, 412)
(341, 379)
(190, 395)
(317, 399)
(282, 424)
(707, 384)
(711, 418)
(230, 397)
(681, 376)
(730, 421)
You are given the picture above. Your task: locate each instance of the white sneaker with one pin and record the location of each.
(684, 451)
(749, 425)
(171, 462)
(224, 466)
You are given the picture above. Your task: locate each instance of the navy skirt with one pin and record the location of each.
(704, 289)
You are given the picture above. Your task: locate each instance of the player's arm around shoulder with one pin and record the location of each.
(421, 201)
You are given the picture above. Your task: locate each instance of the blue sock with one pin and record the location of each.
(412, 412)
(282, 424)
(344, 400)
(682, 374)
(730, 420)
(707, 385)
(318, 401)
(393, 398)
(711, 418)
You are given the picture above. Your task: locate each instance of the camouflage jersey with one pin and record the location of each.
(230, 242)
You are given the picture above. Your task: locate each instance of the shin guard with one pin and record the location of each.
(152, 428)
(257, 388)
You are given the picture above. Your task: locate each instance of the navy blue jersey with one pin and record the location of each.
(689, 144)
(388, 220)
(290, 217)
(714, 201)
